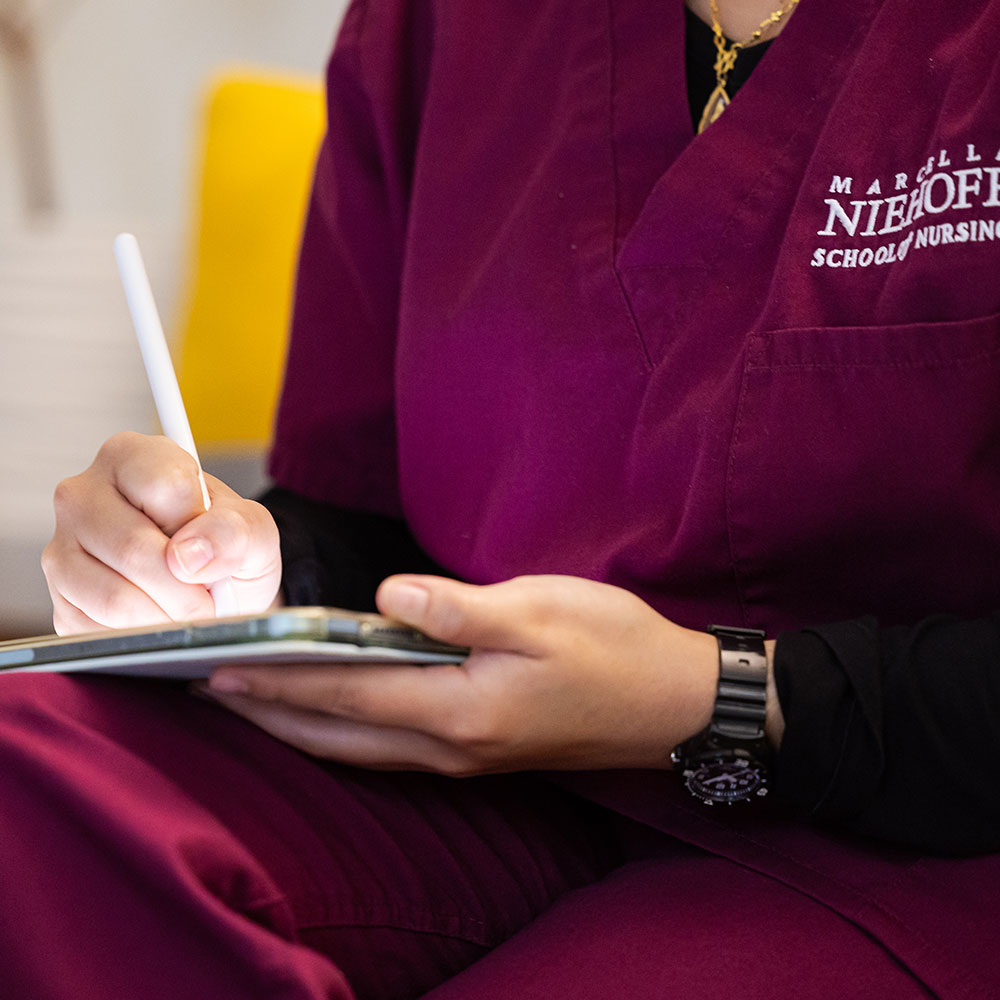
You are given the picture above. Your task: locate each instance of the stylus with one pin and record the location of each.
(163, 380)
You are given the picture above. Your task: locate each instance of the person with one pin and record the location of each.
(568, 383)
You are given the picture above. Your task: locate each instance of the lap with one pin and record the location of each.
(685, 924)
(155, 845)
(151, 828)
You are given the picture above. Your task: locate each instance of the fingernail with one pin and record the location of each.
(228, 684)
(404, 600)
(193, 554)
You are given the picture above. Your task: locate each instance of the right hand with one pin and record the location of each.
(134, 545)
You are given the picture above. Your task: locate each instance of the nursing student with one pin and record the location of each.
(585, 359)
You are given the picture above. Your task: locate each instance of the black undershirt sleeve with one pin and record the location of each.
(894, 732)
(337, 557)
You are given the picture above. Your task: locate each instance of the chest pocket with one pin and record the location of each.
(864, 472)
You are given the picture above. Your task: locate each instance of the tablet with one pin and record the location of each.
(191, 650)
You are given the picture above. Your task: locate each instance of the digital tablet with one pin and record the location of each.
(191, 650)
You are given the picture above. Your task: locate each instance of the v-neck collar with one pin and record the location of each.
(709, 179)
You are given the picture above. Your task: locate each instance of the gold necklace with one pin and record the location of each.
(725, 57)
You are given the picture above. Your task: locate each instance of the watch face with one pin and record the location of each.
(726, 780)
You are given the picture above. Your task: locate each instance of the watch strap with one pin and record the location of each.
(729, 760)
(741, 698)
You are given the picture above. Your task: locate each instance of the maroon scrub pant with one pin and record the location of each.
(153, 846)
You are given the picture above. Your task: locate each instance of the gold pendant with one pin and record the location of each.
(717, 103)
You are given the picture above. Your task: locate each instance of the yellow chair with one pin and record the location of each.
(261, 133)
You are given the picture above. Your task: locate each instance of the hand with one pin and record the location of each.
(564, 673)
(134, 545)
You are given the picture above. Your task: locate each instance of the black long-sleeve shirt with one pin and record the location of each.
(892, 731)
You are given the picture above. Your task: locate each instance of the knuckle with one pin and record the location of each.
(70, 622)
(65, 497)
(475, 729)
(113, 607)
(231, 531)
(111, 447)
(267, 687)
(132, 554)
(445, 619)
(60, 625)
(350, 704)
(233, 518)
(50, 560)
(283, 686)
(175, 487)
(536, 602)
(116, 447)
(339, 698)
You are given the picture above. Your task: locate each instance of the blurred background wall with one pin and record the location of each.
(100, 106)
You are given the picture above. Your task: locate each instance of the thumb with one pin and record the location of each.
(463, 614)
(234, 538)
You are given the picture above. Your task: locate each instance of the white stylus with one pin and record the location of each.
(163, 380)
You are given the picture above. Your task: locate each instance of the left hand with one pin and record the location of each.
(564, 673)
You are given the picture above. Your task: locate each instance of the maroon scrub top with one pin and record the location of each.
(752, 376)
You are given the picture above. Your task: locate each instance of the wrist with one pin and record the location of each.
(698, 652)
(774, 721)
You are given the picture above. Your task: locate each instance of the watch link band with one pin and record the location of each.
(729, 760)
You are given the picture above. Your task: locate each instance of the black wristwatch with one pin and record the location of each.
(730, 759)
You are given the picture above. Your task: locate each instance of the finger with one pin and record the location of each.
(236, 538)
(67, 619)
(112, 601)
(419, 698)
(345, 740)
(499, 616)
(155, 475)
(138, 490)
(129, 543)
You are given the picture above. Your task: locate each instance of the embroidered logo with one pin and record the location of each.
(946, 203)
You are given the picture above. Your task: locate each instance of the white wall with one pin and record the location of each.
(122, 82)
